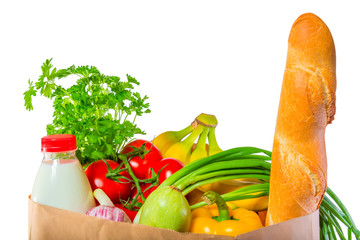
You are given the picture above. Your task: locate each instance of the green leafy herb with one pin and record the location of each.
(99, 110)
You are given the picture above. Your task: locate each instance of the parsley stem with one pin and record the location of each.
(116, 114)
(67, 94)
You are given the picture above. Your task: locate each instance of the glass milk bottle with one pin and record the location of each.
(61, 181)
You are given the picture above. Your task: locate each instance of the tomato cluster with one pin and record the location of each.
(145, 160)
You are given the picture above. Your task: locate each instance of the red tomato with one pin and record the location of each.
(140, 167)
(169, 166)
(131, 213)
(114, 190)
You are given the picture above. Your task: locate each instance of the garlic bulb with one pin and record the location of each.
(109, 213)
(107, 210)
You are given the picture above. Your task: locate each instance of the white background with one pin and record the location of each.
(221, 57)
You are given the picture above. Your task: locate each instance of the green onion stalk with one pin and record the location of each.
(253, 163)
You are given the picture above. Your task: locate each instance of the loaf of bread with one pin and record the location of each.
(307, 105)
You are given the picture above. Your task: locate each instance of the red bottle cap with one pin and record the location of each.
(58, 143)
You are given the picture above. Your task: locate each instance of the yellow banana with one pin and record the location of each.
(182, 150)
(253, 204)
(200, 149)
(219, 187)
(231, 205)
(164, 141)
(195, 196)
(213, 145)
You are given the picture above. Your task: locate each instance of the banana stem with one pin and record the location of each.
(202, 139)
(182, 133)
(194, 135)
(200, 149)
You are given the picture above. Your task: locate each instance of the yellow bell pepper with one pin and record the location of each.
(219, 219)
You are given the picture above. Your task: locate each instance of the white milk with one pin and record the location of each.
(63, 184)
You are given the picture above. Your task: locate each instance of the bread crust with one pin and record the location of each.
(307, 105)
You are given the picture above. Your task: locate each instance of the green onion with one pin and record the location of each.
(323, 227)
(229, 177)
(223, 156)
(333, 223)
(221, 169)
(342, 207)
(254, 163)
(332, 209)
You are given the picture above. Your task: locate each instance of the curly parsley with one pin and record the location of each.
(99, 110)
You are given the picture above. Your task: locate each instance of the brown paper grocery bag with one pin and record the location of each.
(49, 223)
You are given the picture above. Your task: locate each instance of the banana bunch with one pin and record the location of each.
(182, 144)
(197, 141)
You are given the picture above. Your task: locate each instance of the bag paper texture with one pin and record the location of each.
(49, 223)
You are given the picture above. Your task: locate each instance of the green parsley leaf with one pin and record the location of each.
(99, 110)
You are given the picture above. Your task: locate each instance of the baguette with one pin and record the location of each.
(307, 105)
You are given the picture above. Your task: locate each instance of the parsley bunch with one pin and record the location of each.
(99, 110)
